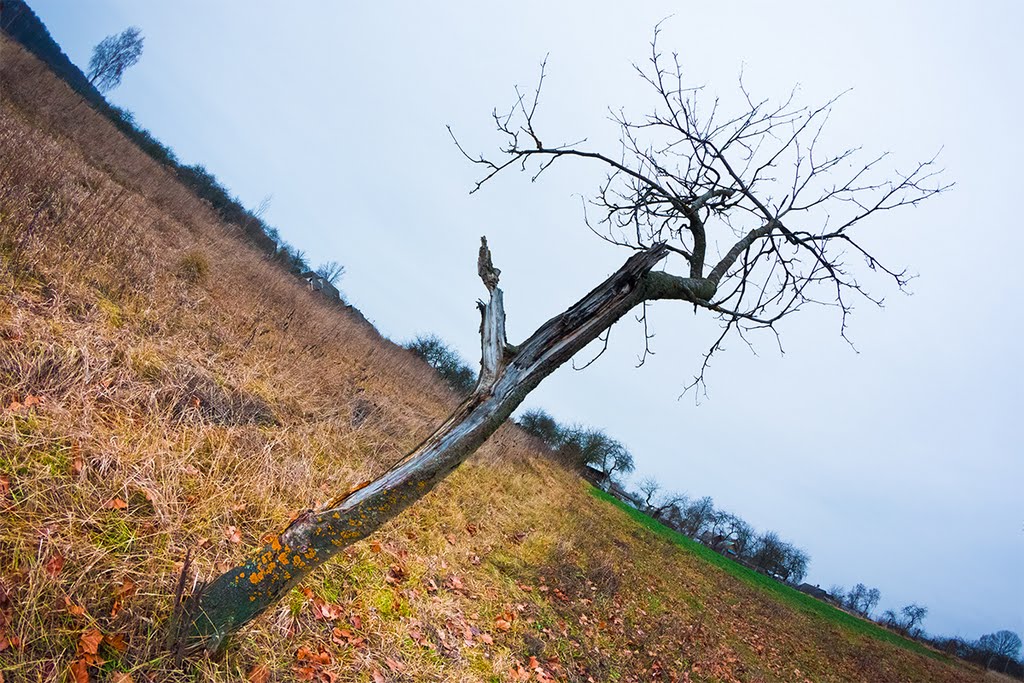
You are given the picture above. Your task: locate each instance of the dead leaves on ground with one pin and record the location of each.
(25, 404)
(54, 565)
(258, 674)
(503, 622)
(310, 666)
(88, 655)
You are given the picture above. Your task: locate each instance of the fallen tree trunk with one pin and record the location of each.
(212, 613)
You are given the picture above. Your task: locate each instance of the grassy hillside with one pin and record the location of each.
(164, 387)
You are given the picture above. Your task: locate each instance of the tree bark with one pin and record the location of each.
(217, 610)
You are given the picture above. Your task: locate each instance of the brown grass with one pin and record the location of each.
(191, 395)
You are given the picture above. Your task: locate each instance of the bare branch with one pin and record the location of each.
(762, 216)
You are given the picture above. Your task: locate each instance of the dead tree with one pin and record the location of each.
(740, 216)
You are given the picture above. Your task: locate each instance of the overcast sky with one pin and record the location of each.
(898, 464)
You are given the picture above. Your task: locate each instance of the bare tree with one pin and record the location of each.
(657, 502)
(541, 425)
(331, 271)
(445, 360)
(697, 515)
(739, 532)
(581, 446)
(794, 563)
(908, 621)
(862, 599)
(741, 215)
(768, 552)
(1001, 644)
(649, 489)
(913, 616)
(113, 56)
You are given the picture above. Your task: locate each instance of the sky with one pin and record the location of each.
(897, 463)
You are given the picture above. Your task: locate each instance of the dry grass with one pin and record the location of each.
(163, 387)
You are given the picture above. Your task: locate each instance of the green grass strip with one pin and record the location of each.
(785, 594)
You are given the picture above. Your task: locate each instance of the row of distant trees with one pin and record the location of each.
(697, 518)
(999, 650)
(862, 600)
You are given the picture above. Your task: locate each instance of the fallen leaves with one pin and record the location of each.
(54, 565)
(29, 401)
(309, 665)
(116, 504)
(233, 534)
(89, 654)
(79, 671)
(395, 575)
(9, 642)
(327, 611)
(116, 641)
(72, 608)
(343, 636)
(503, 622)
(258, 674)
(126, 590)
(89, 643)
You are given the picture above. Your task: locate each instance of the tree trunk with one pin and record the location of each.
(211, 614)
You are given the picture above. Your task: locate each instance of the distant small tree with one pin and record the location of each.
(862, 599)
(913, 616)
(445, 361)
(582, 446)
(908, 621)
(658, 503)
(541, 425)
(296, 260)
(331, 271)
(696, 516)
(871, 600)
(113, 56)
(768, 551)
(649, 489)
(794, 563)
(740, 532)
(1004, 645)
(672, 514)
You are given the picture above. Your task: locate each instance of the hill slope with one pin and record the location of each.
(165, 387)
